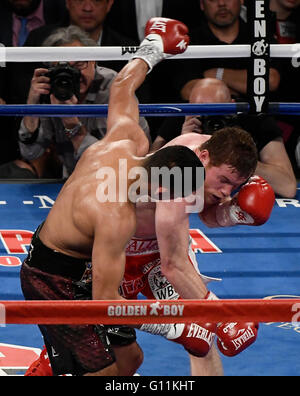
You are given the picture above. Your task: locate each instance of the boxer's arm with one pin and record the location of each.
(108, 268)
(111, 235)
(172, 230)
(163, 38)
(123, 110)
(275, 167)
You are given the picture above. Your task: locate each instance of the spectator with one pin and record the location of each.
(32, 13)
(273, 165)
(220, 25)
(8, 139)
(70, 135)
(287, 31)
(287, 20)
(47, 166)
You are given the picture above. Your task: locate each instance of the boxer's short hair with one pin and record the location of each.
(234, 147)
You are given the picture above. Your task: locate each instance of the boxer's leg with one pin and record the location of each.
(128, 359)
(127, 353)
(210, 365)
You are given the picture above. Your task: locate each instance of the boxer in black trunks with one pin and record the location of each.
(81, 228)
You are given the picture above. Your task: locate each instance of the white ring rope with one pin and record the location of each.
(48, 54)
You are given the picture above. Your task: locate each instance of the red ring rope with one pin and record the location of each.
(143, 311)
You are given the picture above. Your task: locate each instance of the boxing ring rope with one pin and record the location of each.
(49, 54)
(155, 110)
(148, 311)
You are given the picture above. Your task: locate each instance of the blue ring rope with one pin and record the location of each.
(150, 110)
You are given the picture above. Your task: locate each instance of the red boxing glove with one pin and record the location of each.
(257, 199)
(252, 205)
(197, 339)
(163, 38)
(173, 35)
(233, 338)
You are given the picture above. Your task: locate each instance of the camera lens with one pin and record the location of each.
(63, 87)
(64, 81)
(211, 124)
(216, 123)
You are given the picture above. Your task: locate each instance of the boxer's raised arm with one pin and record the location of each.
(163, 38)
(123, 110)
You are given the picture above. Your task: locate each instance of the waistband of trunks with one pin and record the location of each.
(52, 262)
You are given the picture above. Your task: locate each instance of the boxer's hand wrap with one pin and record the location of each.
(252, 205)
(163, 38)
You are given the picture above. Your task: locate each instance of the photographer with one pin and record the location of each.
(273, 165)
(67, 83)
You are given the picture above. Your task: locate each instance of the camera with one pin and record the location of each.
(64, 81)
(211, 124)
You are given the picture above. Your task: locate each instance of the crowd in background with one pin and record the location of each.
(50, 147)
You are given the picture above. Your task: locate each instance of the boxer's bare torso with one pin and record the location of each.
(77, 212)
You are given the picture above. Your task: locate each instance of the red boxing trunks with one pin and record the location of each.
(143, 271)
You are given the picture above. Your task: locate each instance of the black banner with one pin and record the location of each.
(259, 24)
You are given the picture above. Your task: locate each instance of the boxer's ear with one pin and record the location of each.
(204, 156)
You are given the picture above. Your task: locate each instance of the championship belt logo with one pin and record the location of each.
(160, 286)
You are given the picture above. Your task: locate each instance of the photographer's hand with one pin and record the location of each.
(68, 122)
(191, 124)
(40, 85)
(2, 101)
(72, 122)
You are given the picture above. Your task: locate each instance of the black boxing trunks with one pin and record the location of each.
(72, 349)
